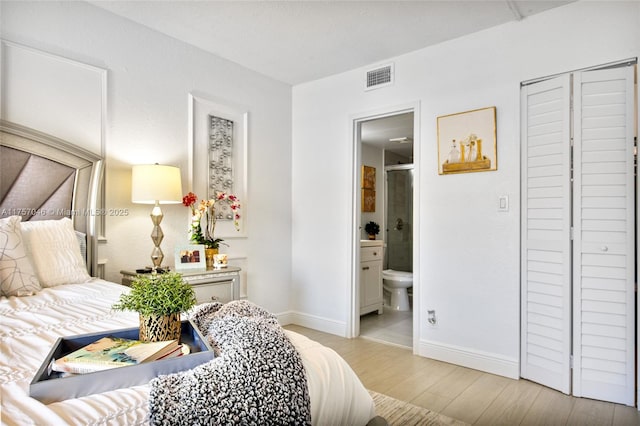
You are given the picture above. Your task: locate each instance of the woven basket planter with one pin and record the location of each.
(156, 328)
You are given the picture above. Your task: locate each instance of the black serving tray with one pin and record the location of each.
(50, 386)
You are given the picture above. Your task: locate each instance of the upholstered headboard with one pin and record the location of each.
(43, 177)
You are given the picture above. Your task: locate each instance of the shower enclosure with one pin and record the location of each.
(399, 217)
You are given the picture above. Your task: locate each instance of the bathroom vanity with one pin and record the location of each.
(371, 276)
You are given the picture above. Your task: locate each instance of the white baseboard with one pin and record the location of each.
(483, 361)
(313, 322)
(285, 318)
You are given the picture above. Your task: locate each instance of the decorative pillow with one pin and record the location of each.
(17, 276)
(55, 252)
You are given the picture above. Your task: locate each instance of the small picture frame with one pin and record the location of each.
(189, 257)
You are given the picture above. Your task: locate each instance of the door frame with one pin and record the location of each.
(637, 139)
(355, 121)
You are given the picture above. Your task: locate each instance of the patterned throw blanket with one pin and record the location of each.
(257, 377)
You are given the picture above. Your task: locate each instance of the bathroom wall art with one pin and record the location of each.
(368, 182)
(368, 200)
(467, 142)
(368, 177)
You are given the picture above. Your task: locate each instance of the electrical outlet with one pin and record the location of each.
(431, 317)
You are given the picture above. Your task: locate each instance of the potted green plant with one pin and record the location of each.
(159, 299)
(372, 229)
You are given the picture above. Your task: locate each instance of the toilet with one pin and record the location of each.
(397, 283)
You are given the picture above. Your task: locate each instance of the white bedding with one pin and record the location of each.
(30, 326)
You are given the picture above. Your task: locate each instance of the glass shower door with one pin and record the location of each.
(399, 218)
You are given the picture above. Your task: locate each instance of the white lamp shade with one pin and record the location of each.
(155, 182)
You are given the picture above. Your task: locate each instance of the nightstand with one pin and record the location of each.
(211, 285)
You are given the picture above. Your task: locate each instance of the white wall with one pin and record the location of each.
(468, 250)
(149, 79)
(48, 81)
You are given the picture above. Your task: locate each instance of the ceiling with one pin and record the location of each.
(300, 41)
(393, 134)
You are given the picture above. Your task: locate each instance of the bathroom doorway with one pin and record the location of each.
(385, 142)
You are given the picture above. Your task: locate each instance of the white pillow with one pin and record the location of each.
(55, 252)
(17, 276)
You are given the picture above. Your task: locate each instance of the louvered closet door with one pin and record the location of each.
(546, 222)
(604, 244)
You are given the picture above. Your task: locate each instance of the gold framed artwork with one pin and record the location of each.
(368, 177)
(467, 142)
(368, 200)
(368, 189)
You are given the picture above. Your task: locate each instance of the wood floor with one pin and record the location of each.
(464, 394)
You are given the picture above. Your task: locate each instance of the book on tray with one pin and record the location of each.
(112, 352)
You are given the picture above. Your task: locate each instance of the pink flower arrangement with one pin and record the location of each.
(206, 210)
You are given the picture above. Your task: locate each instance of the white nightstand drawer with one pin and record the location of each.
(370, 253)
(221, 285)
(221, 291)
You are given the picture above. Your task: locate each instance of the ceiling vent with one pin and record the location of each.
(379, 77)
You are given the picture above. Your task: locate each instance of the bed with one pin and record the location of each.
(48, 291)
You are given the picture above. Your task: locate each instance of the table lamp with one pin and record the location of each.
(156, 184)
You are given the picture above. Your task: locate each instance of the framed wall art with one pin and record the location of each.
(368, 200)
(467, 142)
(368, 189)
(189, 257)
(218, 141)
(368, 177)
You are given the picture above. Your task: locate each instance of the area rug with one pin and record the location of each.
(401, 413)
